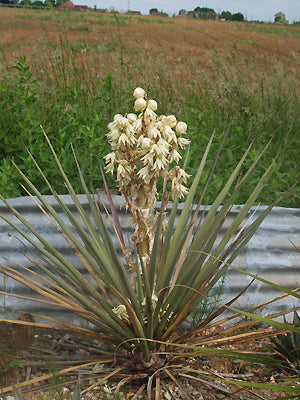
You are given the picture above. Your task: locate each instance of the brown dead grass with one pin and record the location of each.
(143, 45)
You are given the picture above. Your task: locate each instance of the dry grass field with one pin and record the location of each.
(150, 47)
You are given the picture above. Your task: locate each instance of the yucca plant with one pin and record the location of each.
(137, 305)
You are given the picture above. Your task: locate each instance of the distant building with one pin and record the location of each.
(159, 14)
(134, 12)
(68, 5)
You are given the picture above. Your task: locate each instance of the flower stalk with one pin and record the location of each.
(143, 149)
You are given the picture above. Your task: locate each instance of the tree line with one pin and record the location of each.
(209, 13)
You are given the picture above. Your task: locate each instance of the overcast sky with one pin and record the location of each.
(263, 10)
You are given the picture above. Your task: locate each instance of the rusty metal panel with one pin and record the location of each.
(269, 254)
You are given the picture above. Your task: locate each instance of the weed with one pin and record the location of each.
(287, 346)
(81, 28)
(57, 381)
(208, 305)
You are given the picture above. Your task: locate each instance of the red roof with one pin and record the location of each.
(67, 5)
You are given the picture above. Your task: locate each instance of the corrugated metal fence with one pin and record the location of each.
(269, 254)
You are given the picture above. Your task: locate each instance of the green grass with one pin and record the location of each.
(74, 104)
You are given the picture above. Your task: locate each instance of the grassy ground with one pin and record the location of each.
(81, 69)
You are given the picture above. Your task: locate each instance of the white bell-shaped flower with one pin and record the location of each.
(139, 93)
(140, 104)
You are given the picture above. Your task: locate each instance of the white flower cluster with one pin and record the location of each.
(144, 146)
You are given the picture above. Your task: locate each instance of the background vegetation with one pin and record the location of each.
(71, 71)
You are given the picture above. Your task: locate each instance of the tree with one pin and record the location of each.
(38, 3)
(280, 18)
(204, 13)
(25, 3)
(226, 15)
(153, 10)
(237, 17)
(182, 12)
